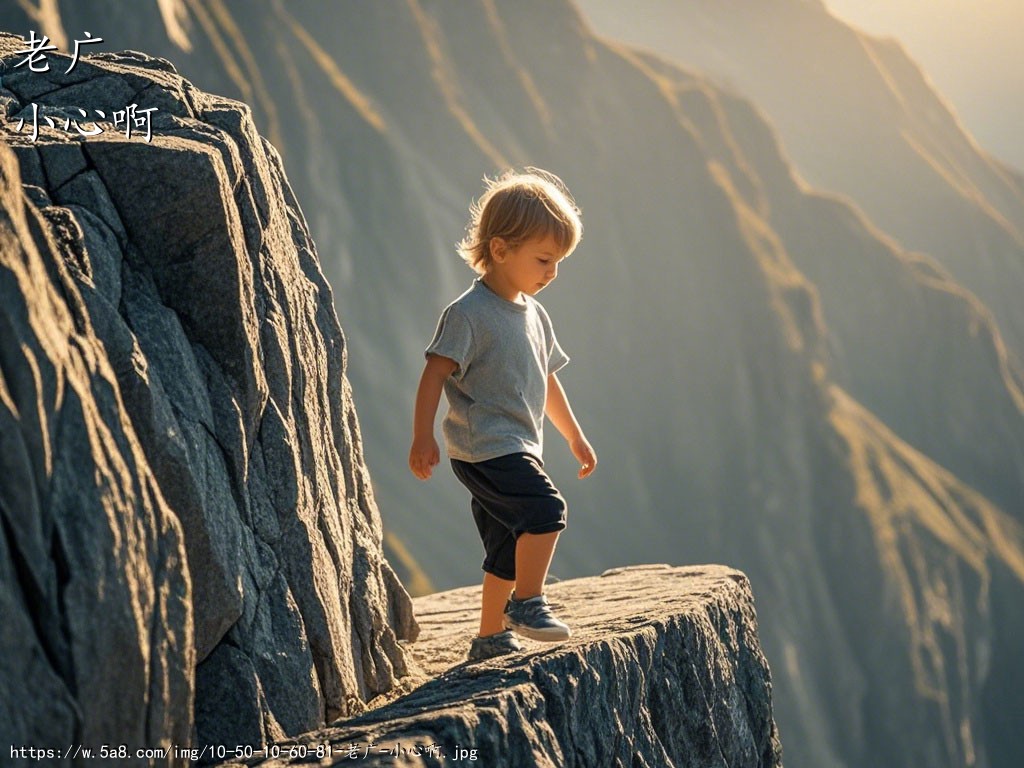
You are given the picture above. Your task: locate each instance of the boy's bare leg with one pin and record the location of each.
(492, 608)
(534, 552)
(533, 558)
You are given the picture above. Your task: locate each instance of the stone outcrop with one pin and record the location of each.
(186, 515)
(96, 625)
(664, 669)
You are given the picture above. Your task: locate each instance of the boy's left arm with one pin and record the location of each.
(561, 415)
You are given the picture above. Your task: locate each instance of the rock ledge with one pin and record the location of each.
(665, 668)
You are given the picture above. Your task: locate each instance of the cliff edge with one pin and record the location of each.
(664, 669)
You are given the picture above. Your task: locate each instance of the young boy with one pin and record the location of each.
(495, 356)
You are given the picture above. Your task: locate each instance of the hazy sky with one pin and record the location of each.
(972, 51)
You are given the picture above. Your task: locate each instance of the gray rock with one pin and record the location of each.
(185, 507)
(664, 669)
(96, 644)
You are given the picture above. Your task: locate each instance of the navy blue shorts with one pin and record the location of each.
(512, 495)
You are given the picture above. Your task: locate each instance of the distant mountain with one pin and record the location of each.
(770, 379)
(971, 51)
(859, 118)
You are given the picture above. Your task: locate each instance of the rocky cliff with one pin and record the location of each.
(664, 669)
(188, 523)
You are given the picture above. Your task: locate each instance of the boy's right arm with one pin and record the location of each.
(425, 454)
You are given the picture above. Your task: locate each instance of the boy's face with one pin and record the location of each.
(529, 267)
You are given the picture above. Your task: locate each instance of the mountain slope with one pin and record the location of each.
(859, 118)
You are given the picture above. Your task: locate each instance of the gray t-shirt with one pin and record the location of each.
(505, 352)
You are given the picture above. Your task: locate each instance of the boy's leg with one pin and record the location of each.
(528, 613)
(513, 493)
(496, 592)
(533, 558)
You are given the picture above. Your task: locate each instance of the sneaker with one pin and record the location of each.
(493, 645)
(532, 618)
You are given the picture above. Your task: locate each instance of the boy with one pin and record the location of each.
(495, 356)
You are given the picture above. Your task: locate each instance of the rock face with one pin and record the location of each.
(96, 625)
(186, 513)
(664, 669)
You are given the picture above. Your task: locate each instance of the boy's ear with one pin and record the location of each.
(498, 247)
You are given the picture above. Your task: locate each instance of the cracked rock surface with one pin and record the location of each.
(664, 669)
(187, 521)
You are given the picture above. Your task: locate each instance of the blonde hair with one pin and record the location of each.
(518, 207)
